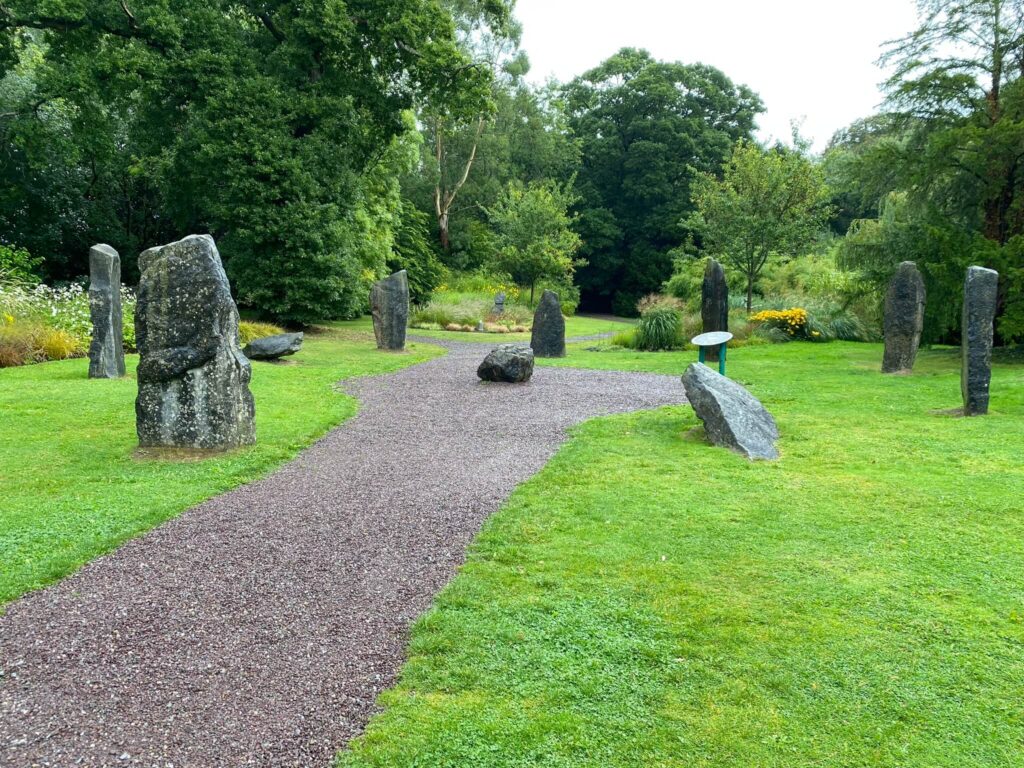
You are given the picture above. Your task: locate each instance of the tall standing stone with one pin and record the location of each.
(389, 305)
(548, 337)
(106, 351)
(193, 377)
(714, 303)
(904, 319)
(980, 287)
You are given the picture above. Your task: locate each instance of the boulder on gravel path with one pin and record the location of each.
(733, 418)
(511, 363)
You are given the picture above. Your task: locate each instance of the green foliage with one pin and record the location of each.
(768, 204)
(534, 235)
(646, 129)
(17, 265)
(660, 328)
(415, 253)
(277, 127)
(650, 600)
(688, 276)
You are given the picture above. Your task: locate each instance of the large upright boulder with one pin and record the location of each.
(548, 337)
(389, 305)
(714, 303)
(511, 363)
(106, 351)
(980, 289)
(733, 418)
(193, 377)
(904, 319)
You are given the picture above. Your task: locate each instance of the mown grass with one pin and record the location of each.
(574, 326)
(72, 486)
(649, 600)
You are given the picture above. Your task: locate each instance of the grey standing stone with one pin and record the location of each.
(980, 289)
(106, 351)
(733, 418)
(193, 377)
(273, 347)
(512, 363)
(904, 319)
(389, 305)
(499, 304)
(548, 337)
(714, 303)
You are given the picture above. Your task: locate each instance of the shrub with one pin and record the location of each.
(660, 328)
(18, 266)
(625, 339)
(249, 331)
(55, 344)
(17, 344)
(793, 322)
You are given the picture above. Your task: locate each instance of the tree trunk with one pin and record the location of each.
(442, 228)
(750, 293)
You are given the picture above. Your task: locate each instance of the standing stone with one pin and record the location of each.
(193, 377)
(389, 304)
(904, 319)
(106, 351)
(714, 303)
(548, 337)
(499, 304)
(733, 418)
(976, 338)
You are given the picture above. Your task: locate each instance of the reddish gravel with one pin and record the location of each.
(259, 627)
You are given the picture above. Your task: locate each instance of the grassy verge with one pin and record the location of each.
(574, 326)
(72, 489)
(648, 600)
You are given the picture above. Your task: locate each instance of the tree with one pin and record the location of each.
(949, 148)
(534, 234)
(272, 125)
(646, 128)
(768, 204)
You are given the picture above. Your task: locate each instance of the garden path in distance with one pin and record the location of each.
(259, 627)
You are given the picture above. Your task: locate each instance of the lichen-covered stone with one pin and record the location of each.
(733, 418)
(193, 377)
(273, 347)
(389, 305)
(512, 363)
(714, 304)
(548, 337)
(980, 292)
(904, 319)
(106, 351)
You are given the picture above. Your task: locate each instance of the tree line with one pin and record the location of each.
(325, 143)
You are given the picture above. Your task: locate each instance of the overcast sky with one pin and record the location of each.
(810, 60)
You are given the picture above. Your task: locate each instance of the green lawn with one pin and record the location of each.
(648, 600)
(574, 326)
(72, 489)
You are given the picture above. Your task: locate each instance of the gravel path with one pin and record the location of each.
(259, 627)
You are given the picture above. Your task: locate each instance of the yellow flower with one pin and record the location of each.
(8, 319)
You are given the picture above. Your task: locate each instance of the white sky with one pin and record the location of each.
(810, 60)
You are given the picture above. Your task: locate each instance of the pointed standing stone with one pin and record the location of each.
(714, 303)
(980, 287)
(193, 377)
(389, 305)
(106, 351)
(904, 319)
(548, 337)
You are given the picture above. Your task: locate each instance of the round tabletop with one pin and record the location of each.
(713, 339)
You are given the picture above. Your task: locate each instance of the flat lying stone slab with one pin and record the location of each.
(733, 418)
(273, 347)
(511, 363)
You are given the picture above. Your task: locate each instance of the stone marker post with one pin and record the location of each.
(548, 337)
(389, 305)
(106, 351)
(980, 287)
(714, 303)
(193, 377)
(499, 305)
(904, 319)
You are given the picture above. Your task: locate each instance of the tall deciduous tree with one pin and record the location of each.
(768, 204)
(646, 129)
(263, 122)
